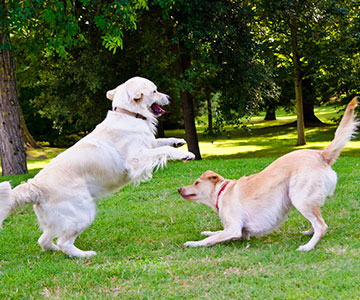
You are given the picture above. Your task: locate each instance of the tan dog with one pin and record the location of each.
(258, 204)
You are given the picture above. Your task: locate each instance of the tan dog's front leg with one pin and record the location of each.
(211, 233)
(218, 237)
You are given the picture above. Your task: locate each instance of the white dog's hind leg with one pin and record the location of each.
(66, 244)
(46, 241)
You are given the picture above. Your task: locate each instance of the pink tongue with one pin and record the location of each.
(158, 109)
(161, 110)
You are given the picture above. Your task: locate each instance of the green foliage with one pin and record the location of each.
(327, 36)
(217, 36)
(239, 51)
(61, 24)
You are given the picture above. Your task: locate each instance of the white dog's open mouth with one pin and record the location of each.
(157, 110)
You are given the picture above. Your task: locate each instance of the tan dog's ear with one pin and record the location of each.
(214, 178)
(111, 94)
(138, 97)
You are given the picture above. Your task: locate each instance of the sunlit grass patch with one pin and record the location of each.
(272, 138)
(38, 158)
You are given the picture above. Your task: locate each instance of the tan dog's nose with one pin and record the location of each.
(180, 190)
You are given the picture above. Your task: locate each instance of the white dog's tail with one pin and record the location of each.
(343, 134)
(10, 199)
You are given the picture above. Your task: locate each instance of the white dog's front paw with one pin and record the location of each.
(178, 143)
(181, 154)
(192, 244)
(189, 156)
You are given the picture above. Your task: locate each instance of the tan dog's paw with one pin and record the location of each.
(192, 244)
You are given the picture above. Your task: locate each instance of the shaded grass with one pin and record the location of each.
(139, 233)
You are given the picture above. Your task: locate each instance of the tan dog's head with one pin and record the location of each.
(203, 189)
(139, 95)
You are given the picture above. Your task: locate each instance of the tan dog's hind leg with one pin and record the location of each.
(220, 236)
(318, 224)
(308, 232)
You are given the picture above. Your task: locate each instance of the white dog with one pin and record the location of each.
(258, 204)
(122, 149)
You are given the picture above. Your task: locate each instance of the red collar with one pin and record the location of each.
(218, 196)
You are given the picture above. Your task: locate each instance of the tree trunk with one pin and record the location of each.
(28, 138)
(298, 88)
(309, 99)
(12, 150)
(270, 115)
(160, 130)
(210, 117)
(182, 63)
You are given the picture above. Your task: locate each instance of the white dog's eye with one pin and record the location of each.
(154, 92)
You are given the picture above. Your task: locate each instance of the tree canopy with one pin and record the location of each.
(252, 55)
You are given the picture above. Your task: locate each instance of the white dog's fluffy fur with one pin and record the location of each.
(122, 149)
(258, 204)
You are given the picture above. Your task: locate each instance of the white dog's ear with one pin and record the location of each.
(111, 94)
(138, 97)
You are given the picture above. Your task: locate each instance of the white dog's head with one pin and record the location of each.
(139, 95)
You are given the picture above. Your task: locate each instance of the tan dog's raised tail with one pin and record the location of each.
(258, 204)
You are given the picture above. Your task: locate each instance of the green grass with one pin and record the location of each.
(139, 233)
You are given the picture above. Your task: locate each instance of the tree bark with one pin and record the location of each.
(12, 150)
(309, 99)
(182, 63)
(298, 85)
(270, 115)
(28, 138)
(160, 130)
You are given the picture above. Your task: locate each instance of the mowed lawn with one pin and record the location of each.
(139, 234)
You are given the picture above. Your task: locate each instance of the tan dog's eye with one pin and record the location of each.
(196, 182)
